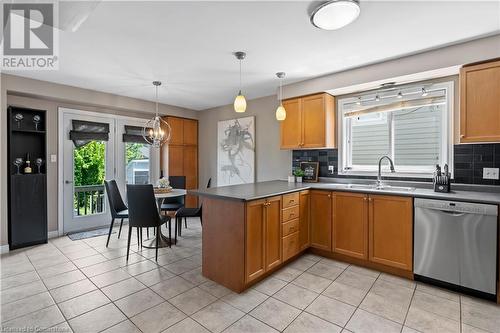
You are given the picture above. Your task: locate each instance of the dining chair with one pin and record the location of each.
(117, 207)
(188, 212)
(143, 212)
(173, 204)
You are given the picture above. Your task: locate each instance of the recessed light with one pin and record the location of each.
(335, 14)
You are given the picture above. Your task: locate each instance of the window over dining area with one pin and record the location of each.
(411, 124)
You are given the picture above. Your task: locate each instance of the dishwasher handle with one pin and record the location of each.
(452, 213)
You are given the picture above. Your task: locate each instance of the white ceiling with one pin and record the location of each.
(123, 46)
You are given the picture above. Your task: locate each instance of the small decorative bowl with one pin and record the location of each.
(163, 189)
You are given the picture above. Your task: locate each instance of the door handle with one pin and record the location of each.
(68, 182)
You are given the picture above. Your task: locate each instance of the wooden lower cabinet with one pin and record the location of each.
(391, 231)
(350, 224)
(290, 245)
(321, 219)
(262, 237)
(255, 228)
(273, 232)
(304, 220)
(368, 230)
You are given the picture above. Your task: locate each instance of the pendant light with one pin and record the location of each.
(240, 103)
(335, 14)
(156, 131)
(280, 111)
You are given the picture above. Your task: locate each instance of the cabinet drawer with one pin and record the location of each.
(290, 213)
(290, 227)
(290, 200)
(290, 245)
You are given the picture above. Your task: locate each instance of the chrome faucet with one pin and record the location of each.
(379, 176)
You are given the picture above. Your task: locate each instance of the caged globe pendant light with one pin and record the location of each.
(240, 103)
(156, 131)
(280, 111)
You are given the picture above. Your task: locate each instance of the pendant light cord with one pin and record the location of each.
(156, 100)
(240, 76)
(281, 91)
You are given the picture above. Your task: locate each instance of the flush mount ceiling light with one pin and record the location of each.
(240, 103)
(335, 14)
(280, 111)
(156, 131)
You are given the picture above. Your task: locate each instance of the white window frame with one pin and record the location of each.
(344, 134)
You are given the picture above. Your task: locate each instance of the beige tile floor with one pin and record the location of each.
(82, 286)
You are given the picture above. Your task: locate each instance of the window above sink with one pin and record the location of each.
(411, 123)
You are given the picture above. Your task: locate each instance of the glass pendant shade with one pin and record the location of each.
(240, 103)
(280, 110)
(280, 113)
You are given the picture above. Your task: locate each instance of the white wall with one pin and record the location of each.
(270, 162)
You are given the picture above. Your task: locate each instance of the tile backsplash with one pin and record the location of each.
(469, 159)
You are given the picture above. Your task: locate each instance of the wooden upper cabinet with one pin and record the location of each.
(321, 217)
(310, 122)
(177, 127)
(190, 132)
(480, 102)
(291, 128)
(255, 262)
(304, 220)
(273, 232)
(350, 224)
(313, 122)
(391, 231)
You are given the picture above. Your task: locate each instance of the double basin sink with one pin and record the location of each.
(375, 187)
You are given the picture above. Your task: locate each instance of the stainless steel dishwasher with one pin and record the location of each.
(456, 243)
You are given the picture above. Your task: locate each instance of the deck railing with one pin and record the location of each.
(89, 199)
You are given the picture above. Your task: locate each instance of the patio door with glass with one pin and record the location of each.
(89, 159)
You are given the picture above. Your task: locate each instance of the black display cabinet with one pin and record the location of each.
(27, 192)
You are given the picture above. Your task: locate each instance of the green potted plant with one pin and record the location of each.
(298, 173)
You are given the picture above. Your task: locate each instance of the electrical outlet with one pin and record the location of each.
(53, 158)
(490, 173)
(331, 169)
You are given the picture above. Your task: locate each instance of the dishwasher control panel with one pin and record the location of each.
(457, 206)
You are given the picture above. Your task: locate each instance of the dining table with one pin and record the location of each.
(160, 196)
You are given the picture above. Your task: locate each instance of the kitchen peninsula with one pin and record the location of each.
(251, 230)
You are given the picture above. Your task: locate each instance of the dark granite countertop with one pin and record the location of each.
(247, 192)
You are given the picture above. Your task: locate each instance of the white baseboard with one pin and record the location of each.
(4, 249)
(53, 234)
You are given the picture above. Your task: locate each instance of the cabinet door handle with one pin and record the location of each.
(329, 195)
(462, 136)
(365, 198)
(292, 201)
(370, 199)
